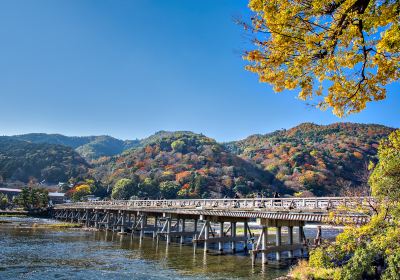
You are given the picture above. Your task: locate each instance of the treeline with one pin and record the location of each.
(306, 160)
(30, 199)
(23, 161)
(315, 159)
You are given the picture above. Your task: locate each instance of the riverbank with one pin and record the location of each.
(5, 213)
(40, 213)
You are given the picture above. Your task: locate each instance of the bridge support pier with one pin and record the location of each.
(168, 224)
(155, 227)
(87, 218)
(96, 218)
(278, 241)
(195, 225)
(183, 230)
(233, 235)
(301, 239)
(122, 217)
(143, 223)
(264, 254)
(288, 213)
(206, 234)
(221, 234)
(245, 232)
(290, 240)
(277, 247)
(128, 220)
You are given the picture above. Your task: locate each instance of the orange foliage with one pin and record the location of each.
(358, 155)
(270, 156)
(182, 175)
(148, 150)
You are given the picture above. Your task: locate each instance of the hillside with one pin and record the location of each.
(315, 159)
(89, 147)
(308, 159)
(192, 164)
(21, 161)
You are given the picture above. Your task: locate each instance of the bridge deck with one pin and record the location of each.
(315, 209)
(169, 219)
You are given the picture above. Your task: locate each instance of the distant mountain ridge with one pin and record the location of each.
(52, 163)
(89, 147)
(94, 147)
(308, 159)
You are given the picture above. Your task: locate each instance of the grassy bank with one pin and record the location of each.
(58, 225)
(13, 215)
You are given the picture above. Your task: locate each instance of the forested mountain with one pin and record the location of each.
(90, 147)
(315, 159)
(191, 164)
(22, 161)
(308, 159)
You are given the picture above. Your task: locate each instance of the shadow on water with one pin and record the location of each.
(32, 253)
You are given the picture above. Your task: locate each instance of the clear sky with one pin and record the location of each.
(131, 68)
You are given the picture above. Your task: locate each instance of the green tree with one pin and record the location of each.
(33, 198)
(148, 189)
(178, 145)
(385, 178)
(169, 189)
(371, 251)
(3, 201)
(124, 189)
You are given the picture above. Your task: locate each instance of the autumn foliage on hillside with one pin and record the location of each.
(190, 164)
(313, 159)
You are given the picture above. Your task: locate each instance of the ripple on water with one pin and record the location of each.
(76, 254)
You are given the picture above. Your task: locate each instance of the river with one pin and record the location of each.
(28, 252)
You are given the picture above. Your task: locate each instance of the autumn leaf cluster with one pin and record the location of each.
(342, 53)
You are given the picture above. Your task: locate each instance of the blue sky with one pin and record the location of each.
(131, 68)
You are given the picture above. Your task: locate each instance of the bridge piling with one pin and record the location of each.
(221, 235)
(278, 241)
(122, 231)
(233, 235)
(264, 238)
(155, 231)
(290, 240)
(245, 227)
(183, 230)
(122, 216)
(96, 218)
(301, 239)
(168, 223)
(206, 235)
(87, 218)
(142, 225)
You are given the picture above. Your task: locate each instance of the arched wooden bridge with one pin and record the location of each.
(169, 219)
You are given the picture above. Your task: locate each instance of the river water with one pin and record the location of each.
(27, 252)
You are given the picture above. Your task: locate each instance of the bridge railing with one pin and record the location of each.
(310, 203)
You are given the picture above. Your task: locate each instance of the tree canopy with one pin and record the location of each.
(33, 198)
(371, 251)
(124, 189)
(351, 48)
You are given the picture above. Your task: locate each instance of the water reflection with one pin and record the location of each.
(74, 254)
